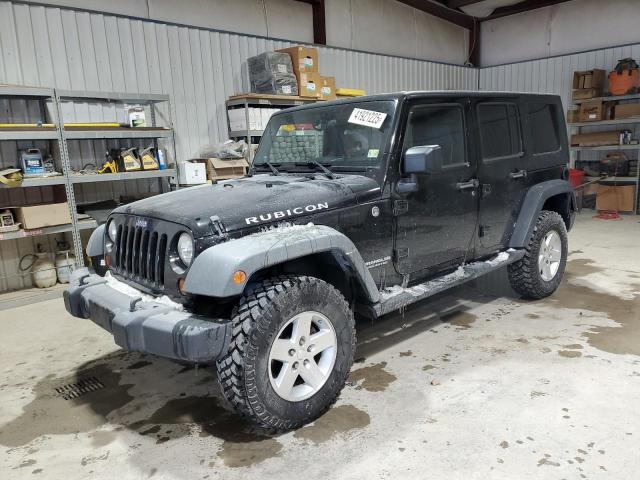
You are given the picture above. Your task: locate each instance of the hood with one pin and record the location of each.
(254, 201)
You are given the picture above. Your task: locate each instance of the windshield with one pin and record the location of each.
(341, 137)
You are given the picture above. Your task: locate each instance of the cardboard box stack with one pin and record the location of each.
(306, 69)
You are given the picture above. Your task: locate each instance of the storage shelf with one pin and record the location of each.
(608, 99)
(112, 177)
(82, 225)
(607, 147)
(24, 91)
(274, 100)
(140, 98)
(617, 121)
(35, 133)
(243, 133)
(39, 182)
(613, 179)
(100, 133)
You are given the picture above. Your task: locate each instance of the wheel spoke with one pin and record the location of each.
(285, 380)
(312, 374)
(280, 350)
(555, 255)
(322, 340)
(547, 272)
(301, 327)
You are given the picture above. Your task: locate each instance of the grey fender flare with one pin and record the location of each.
(532, 205)
(95, 246)
(212, 270)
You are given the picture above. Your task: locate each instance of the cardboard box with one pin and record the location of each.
(309, 85)
(587, 84)
(39, 216)
(595, 139)
(627, 110)
(573, 116)
(591, 111)
(328, 88)
(192, 172)
(304, 59)
(224, 169)
(618, 198)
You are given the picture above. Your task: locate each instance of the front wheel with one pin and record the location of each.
(538, 274)
(291, 351)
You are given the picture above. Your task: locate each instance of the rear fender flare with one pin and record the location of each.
(212, 270)
(532, 206)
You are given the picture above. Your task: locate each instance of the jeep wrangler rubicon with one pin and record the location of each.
(354, 206)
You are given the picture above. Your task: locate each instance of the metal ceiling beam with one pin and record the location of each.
(319, 21)
(441, 11)
(522, 7)
(461, 3)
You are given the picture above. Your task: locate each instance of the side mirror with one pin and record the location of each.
(422, 159)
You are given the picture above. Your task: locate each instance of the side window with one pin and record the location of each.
(543, 124)
(500, 134)
(438, 125)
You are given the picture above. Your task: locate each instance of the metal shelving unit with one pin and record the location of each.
(250, 100)
(61, 135)
(81, 225)
(577, 126)
(114, 177)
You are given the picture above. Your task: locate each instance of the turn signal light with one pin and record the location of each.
(239, 277)
(107, 260)
(181, 286)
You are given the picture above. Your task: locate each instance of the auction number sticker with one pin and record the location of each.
(368, 118)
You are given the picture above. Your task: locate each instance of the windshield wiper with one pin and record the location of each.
(325, 170)
(271, 166)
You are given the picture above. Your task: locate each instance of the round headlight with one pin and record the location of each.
(112, 231)
(185, 248)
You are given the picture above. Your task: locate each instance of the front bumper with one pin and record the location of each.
(146, 326)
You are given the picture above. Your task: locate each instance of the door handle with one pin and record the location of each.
(518, 174)
(471, 184)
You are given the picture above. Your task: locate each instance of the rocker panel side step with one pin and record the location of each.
(396, 297)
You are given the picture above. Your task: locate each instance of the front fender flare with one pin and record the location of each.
(532, 205)
(95, 246)
(212, 270)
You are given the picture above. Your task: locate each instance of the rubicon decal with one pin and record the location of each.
(290, 212)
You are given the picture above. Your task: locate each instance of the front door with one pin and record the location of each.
(435, 223)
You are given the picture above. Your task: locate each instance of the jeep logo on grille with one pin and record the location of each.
(141, 222)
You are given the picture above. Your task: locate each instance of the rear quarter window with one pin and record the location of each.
(544, 128)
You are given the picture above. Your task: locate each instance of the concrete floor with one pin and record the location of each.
(474, 385)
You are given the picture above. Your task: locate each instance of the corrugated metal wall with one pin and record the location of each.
(552, 75)
(198, 68)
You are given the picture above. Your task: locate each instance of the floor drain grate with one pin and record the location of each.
(82, 387)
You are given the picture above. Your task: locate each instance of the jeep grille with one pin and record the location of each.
(139, 255)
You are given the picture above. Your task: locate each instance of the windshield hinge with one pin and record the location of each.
(218, 226)
(400, 207)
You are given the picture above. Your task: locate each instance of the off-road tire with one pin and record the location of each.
(262, 310)
(524, 274)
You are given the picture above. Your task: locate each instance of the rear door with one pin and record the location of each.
(502, 169)
(435, 229)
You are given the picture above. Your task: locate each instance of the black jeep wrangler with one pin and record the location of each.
(355, 206)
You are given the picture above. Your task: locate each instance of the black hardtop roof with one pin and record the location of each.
(423, 94)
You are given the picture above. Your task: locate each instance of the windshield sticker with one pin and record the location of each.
(373, 153)
(368, 118)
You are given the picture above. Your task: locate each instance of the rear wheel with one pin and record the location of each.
(292, 347)
(539, 272)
